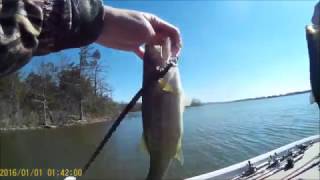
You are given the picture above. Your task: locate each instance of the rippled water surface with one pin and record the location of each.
(215, 136)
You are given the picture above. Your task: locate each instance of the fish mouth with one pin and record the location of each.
(159, 55)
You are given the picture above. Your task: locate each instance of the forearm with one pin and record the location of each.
(45, 26)
(124, 29)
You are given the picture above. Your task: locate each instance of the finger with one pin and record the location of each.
(169, 30)
(164, 29)
(176, 52)
(139, 52)
(160, 38)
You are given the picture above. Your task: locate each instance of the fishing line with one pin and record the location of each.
(125, 111)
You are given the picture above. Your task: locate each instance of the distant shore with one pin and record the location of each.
(75, 123)
(259, 98)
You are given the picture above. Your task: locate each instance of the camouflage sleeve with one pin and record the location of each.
(37, 27)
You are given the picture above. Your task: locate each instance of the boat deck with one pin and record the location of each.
(300, 169)
(303, 156)
(306, 166)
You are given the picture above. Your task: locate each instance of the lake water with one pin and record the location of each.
(215, 136)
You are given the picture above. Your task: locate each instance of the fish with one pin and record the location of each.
(162, 110)
(313, 39)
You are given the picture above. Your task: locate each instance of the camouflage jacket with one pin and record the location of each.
(37, 27)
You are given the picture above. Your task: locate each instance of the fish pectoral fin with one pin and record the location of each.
(179, 156)
(165, 86)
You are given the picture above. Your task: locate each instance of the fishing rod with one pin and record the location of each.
(161, 73)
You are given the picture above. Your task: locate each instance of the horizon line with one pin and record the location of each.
(259, 97)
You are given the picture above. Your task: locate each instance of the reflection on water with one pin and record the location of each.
(215, 136)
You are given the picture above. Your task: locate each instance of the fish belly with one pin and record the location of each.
(161, 121)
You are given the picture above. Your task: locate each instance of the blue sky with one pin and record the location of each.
(231, 49)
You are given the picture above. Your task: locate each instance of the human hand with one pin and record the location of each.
(127, 30)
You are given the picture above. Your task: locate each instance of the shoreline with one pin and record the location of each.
(52, 126)
(93, 121)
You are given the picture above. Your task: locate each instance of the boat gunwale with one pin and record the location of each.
(232, 171)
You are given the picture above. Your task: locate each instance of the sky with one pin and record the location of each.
(231, 49)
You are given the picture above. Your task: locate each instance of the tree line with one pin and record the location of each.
(57, 94)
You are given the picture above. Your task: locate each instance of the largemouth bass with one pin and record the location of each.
(313, 38)
(162, 108)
